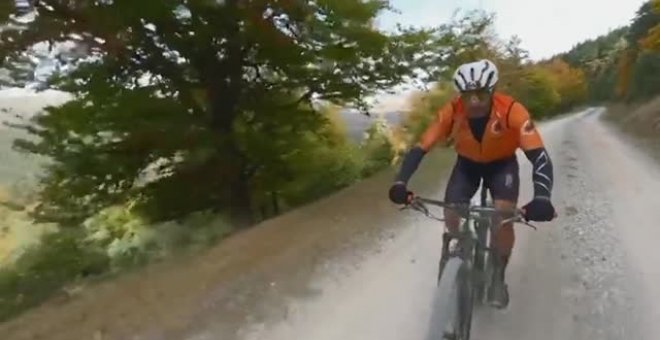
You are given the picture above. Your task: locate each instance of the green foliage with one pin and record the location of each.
(538, 93)
(194, 118)
(545, 88)
(201, 111)
(230, 89)
(322, 171)
(377, 148)
(599, 59)
(645, 82)
(622, 65)
(17, 74)
(602, 87)
(124, 236)
(569, 82)
(113, 240)
(645, 20)
(593, 54)
(639, 70)
(43, 269)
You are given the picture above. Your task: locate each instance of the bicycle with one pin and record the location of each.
(467, 264)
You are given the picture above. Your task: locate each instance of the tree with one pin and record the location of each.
(177, 88)
(651, 42)
(569, 83)
(538, 92)
(647, 18)
(638, 69)
(599, 60)
(645, 81)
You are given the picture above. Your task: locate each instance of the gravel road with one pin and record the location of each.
(354, 267)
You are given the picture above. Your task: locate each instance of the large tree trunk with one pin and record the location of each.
(275, 201)
(225, 80)
(240, 204)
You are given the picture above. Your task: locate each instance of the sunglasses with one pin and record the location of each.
(481, 95)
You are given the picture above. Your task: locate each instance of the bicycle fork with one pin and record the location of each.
(443, 254)
(451, 247)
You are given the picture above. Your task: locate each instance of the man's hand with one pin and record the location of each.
(539, 209)
(399, 193)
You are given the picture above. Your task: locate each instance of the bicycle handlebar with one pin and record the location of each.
(466, 210)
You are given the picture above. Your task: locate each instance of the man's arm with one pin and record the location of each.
(532, 144)
(437, 131)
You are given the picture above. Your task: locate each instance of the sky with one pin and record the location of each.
(556, 28)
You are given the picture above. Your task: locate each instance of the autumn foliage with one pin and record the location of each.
(546, 88)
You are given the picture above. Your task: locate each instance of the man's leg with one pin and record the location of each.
(503, 241)
(504, 184)
(462, 185)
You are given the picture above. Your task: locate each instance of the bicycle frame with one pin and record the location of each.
(472, 247)
(475, 226)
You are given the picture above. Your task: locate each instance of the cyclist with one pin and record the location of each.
(488, 127)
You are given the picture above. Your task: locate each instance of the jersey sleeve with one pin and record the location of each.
(520, 120)
(439, 129)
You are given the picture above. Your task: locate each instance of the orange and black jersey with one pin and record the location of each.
(508, 127)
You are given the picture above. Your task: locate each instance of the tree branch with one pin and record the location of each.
(305, 97)
(113, 45)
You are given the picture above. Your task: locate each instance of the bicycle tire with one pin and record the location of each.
(480, 265)
(482, 258)
(466, 296)
(487, 273)
(445, 306)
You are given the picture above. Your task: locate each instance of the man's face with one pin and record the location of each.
(477, 102)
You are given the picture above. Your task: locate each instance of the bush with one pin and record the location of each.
(113, 240)
(43, 269)
(377, 149)
(199, 230)
(324, 170)
(124, 236)
(645, 82)
(539, 94)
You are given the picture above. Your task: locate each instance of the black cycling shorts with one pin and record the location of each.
(500, 177)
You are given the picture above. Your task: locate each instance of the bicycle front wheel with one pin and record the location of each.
(450, 302)
(466, 296)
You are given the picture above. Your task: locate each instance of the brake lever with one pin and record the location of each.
(518, 219)
(528, 224)
(415, 206)
(419, 206)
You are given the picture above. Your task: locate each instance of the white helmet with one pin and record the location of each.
(480, 74)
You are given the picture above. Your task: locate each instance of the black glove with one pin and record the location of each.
(539, 209)
(399, 193)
